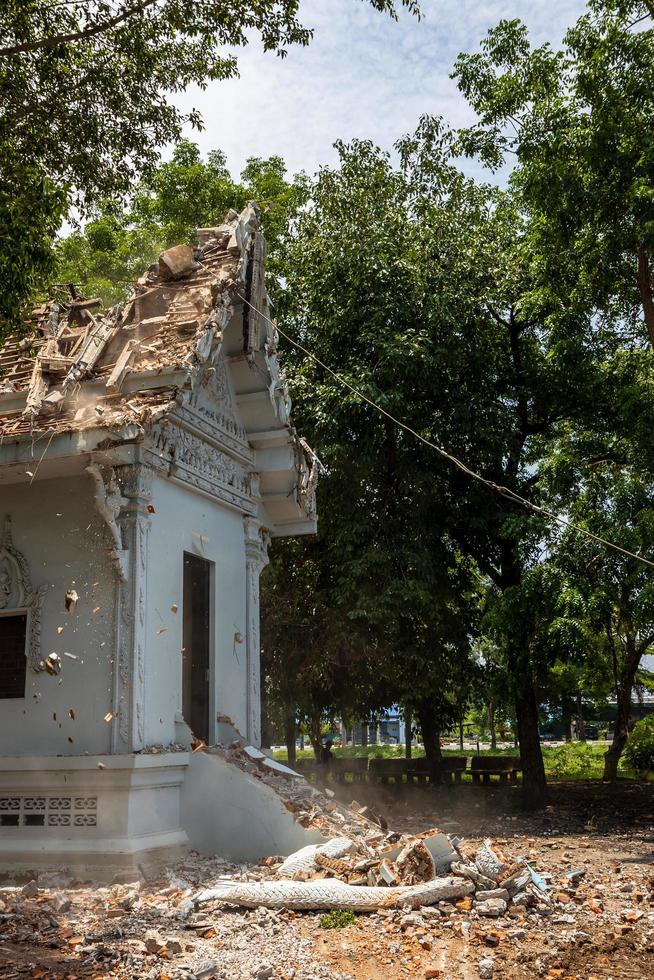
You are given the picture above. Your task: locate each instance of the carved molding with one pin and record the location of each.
(308, 466)
(194, 461)
(278, 385)
(136, 483)
(18, 594)
(108, 502)
(257, 540)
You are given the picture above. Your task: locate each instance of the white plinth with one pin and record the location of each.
(96, 815)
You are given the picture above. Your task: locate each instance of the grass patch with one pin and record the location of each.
(337, 919)
(576, 760)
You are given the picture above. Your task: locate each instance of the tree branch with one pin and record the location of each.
(57, 39)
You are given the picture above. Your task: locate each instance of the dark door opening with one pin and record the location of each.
(196, 653)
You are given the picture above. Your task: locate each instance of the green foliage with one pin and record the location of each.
(88, 99)
(576, 122)
(640, 747)
(575, 760)
(186, 192)
(31, 209)
(337, 919)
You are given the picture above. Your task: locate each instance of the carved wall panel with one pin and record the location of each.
(17, 593)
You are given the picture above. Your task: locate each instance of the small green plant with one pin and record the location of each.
(337, 919)
(640, 747)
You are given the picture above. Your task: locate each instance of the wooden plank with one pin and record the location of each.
(96, 341)
(121, 367)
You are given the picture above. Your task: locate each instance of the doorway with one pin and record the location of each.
(196, 644)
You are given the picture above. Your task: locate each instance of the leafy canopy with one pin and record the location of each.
(181, 194)
(577, 124)
(86, 102)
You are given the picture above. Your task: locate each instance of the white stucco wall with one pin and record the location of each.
(228, 812)
(184, 521)
(58, 530)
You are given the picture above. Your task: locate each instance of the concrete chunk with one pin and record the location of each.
(493, 893)
(176, 262)
(491, 907)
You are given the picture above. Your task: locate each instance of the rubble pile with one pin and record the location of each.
(362, 853)
(389, 870)
(589, 909)
(311, 807)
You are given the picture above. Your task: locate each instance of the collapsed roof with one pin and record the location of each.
(194, 339)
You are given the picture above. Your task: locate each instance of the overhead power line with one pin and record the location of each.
(496, 487)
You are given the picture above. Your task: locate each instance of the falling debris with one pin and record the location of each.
(71, 599)
(109, 716)
(52, 664)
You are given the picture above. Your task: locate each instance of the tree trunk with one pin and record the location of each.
(364, 733)
(645, 290)
(581, 724)
(430, 737)
(408, 737)
(315, 736)
(614, 752)
(461, 734)
(534, 783)
(566, 717)
(289, 738)
(491, 725)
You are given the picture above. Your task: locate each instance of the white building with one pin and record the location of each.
(147, 455)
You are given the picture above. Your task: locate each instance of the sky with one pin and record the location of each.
(362, 76)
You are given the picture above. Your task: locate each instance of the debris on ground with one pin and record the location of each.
(593, 918)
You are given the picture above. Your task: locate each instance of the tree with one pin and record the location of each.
(615, 594)
(316, 661)
(178, 196)
(578, 124)
(86, 101)
(423, 291)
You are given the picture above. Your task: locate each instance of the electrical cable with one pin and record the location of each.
(497, 487)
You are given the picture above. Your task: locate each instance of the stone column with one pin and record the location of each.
(256, 558)
(128, 733)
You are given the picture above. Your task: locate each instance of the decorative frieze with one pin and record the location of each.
(48, 811)
(193, 460)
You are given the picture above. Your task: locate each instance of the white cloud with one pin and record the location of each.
(363, 75)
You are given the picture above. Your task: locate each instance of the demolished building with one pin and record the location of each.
(147, 455)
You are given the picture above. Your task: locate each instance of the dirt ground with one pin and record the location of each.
(603, 927)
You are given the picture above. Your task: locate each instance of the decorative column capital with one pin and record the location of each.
(257, 541)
